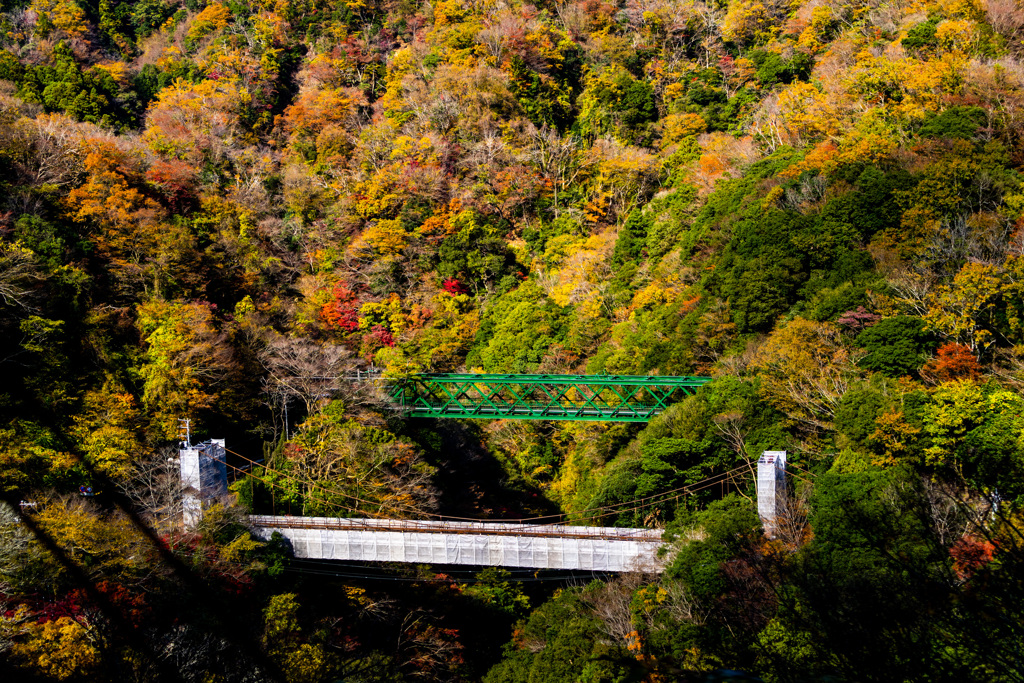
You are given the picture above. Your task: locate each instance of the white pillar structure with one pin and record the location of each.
(771, 489)
(204, 478)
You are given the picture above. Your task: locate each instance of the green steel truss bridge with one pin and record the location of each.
(595, 398)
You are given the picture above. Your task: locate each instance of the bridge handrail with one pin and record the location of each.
(663, 380)
(448, 527)
(561, 403)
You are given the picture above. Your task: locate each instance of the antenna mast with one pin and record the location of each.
(185, 432)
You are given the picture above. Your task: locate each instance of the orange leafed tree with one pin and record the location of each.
(342, 311)
(189, 119)
(952, 361)
(125, 224)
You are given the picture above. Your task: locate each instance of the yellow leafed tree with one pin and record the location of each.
(805, 369)
(60, 649)
(186, 358)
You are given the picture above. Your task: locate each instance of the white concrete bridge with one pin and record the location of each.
(492, 544)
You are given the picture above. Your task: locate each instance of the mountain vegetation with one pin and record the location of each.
(220, 211)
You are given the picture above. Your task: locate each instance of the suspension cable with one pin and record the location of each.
(637, 504)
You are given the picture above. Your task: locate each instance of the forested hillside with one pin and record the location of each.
(212, 211)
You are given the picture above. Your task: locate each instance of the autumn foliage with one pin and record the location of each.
(952, 361)
(252, 218)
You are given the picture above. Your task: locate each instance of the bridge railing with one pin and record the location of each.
(455, 527)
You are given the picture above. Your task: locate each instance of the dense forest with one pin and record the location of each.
(219, 211)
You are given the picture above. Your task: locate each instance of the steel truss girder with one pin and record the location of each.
(595, 398)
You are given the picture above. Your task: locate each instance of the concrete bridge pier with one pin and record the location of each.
(204, 478)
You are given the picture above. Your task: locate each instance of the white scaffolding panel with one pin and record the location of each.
(771, 488)
(467, 543)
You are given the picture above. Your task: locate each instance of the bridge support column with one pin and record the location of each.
(771, 490)
(204, 478)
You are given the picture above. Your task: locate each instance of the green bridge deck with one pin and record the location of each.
(597, 398)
